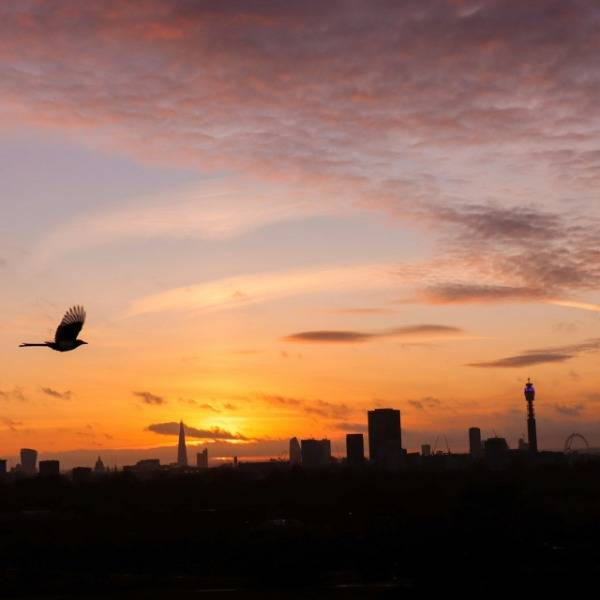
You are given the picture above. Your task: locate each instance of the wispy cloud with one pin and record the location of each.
(320, 408)
(362, 311)
(11, 423)
(350, 427)
(14, 394)
(56, 394)
(425, 403)
(524, 360)
(451, 293)
(214, 210)
(214, 433)
(569, 410)
(543, 355)
(575, 304)
(149, 398)
(263, 287)
(350, 337)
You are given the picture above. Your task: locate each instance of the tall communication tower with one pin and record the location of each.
(531, 427)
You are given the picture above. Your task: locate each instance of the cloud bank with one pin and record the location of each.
(475, 121)
(543, 356)
(215, 433)
(350, 337)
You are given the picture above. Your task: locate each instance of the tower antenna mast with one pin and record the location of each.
(531, 426)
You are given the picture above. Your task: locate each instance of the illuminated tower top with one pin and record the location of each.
(529, 391)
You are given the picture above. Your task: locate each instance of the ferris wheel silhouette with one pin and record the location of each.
(569, 449)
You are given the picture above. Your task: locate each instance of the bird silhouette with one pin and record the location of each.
(65, 338)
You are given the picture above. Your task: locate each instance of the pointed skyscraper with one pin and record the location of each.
(181, 449)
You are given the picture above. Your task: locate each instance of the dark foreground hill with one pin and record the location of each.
(340, 533)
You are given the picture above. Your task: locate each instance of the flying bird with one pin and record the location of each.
(65, 338)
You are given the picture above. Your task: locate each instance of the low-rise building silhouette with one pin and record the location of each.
(2, 467)
(147, 464)
(49, 467)
(316, 453)
(81, 474)
(425, 450)
(202, 459)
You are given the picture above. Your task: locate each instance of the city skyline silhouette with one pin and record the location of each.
(385, 449)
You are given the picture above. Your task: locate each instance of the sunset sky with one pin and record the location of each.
(280, 214)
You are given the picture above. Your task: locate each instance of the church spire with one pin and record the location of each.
(182, 460)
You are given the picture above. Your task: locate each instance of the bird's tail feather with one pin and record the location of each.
(26, 345)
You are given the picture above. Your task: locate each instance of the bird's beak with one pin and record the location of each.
(84, 342)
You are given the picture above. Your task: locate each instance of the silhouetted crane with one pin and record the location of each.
(65, 338)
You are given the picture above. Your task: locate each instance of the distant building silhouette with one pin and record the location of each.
(425, 450)
(49, 467)
(182, 460)
(475, 443)
(496, 452)
(316, 453)
(202, 459)
(28, 461)
(385, 436)
(81, 474)
(295, 452)
(355, 449)
(2, 467)
(529, 392)
(147, 464)
(99, 467)
(523, 445)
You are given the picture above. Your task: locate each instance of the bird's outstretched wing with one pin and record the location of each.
(71, 325)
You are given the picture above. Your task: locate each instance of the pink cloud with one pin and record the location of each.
(411, 108)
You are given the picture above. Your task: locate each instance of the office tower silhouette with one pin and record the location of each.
(49, 467)
(425, 450)
(355, 449)
(28, 461)
(295, 452)
(2, 467)
(202, 459)
(182, 460)
(475, 443)
(316, 453)
(529, 392)
(385, 436)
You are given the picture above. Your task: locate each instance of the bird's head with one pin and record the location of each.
(79, 342)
